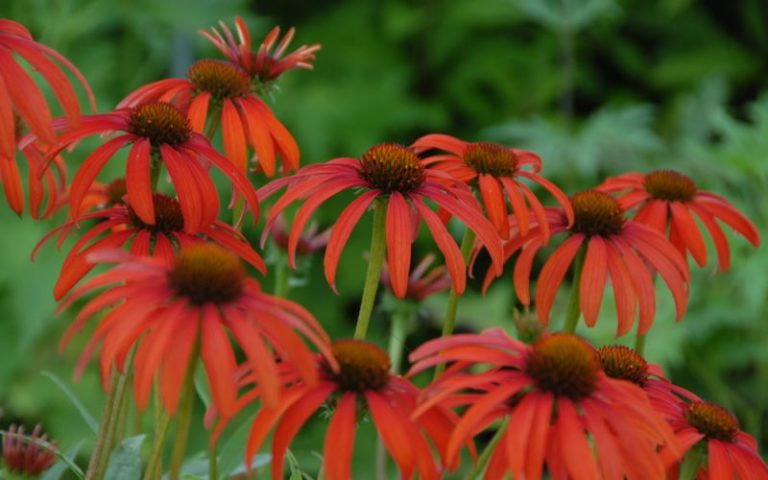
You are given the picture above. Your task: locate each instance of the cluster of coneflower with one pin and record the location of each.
(176, 288)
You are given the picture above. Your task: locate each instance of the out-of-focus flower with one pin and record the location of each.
(98, 197)
(393, 174)
(202, 296)
(266, 64)
(497, 171)
(120, 225)
(563, 411)
(27, 455)
(309, 242)
(214, 88)
(360, 384)
(422, 282)
(21, 99)
(667, 201)
(612, 247)
(158, 132)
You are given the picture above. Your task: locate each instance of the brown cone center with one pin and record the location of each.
(160, 123)
(596, 213)
(670, 186)
(712, 420)
(623, 363)
(362, 365)
(392, 168)
(564, 365)
(491, 159)
(206, 273)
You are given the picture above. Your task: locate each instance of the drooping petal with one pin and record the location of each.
(219, 360)
(340, 439)
(89, 169)
(234, 137)
(689, 231)
(592, 281)
(398, 233)
(447, 245)
(138, 183)
(552, 275)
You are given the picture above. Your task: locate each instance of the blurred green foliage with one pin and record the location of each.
(597, 87)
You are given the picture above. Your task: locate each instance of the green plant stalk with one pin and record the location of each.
(372, 276)
(162, 420)
(574, 310)
(485, 455)
(109, 424)
(397, 334)
(184, 416)
(282, 278)
(449, 321)
(213, 461)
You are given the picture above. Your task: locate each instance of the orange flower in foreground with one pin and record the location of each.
(497, 170)
(203, 296)
(563, 411)
(120, 225)
(625, 251)
(361, 384)
(667, 201)
(28, 456)
(155, 130)
(731, 453)
(213, 86)
(266, 64)
(22, 100)
(395, 174)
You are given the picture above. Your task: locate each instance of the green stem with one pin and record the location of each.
(162, 421)
(214, 115)
(282, 277)
(640, 343)
(574, 310)
(213, 461)
(449, 321)
(372, 277)
(485, 455)
(184, 418)
(398, 332)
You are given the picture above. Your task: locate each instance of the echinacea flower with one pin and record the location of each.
(266, 64)
(157, 132)
(166, 309)
(497, 171)
(21, 99)
(394, 174)
(224, 90)
(422, 282)
(612, 247)
(361, 384)
(731, 453)
(27, 455)
(563, 411)
(309, 242)
(120, 225)
(668, 201)
(98, 197)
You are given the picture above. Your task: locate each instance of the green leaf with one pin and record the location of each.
(89, 419)
(125, 461)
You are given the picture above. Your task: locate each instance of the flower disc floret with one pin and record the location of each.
(168, 215)
(160, 123)
(624, 363)
(392, 168)
(712, 420)
(207, 273)
(491, 159)
(670, 186)
(220, 79)
(596, 213)
(564, 365)
(362, 366)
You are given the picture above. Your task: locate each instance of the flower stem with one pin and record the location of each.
(574, 310)
(99, 459)
(184, 418)
(640, 343)
(449, 321)
(372, 277)
(155, 463)
(282, 278)
(214, 115)
(485, 455)
(213, 461)
(400, 320)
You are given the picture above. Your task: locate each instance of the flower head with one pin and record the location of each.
(120, 225)
(27, 455)
(220, 88)
(609, 247)
(157, 132)
(268, 62)
(359, 384)
(309, 242)
(395, 175)
(22, 100)
(668, 202)
(203, 295)
(555, 395)
(496, 171)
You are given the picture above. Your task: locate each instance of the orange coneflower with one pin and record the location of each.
(496, 170)
(167, 308)
(396, 174)
(21, 99)
(264, 65)
(214, 86)
(667, 201)
(120, 225)
(28, 456)
(361, 384)
(158, 132)
(98, 197)
(731, 453)
(563, 410)
(612, 247)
